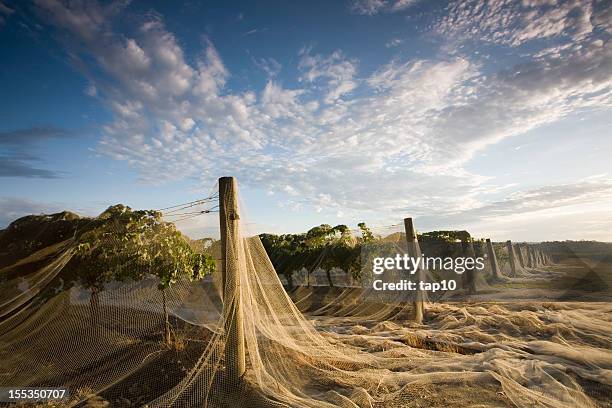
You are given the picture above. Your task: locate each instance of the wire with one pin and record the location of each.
(176, 212)
(194, 212)
(196, 215)
(191, 203)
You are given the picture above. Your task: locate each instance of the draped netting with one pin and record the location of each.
(352, 349)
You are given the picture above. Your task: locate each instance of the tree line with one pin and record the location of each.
(327, 248)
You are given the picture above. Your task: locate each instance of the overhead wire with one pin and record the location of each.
(195, 215)
(189, 204)
(182, 210)
(206, 211)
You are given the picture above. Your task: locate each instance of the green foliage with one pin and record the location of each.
(444, 243)
(366, 233)
(324, 247)
(445, 236)
(328, 247)
(125, 244)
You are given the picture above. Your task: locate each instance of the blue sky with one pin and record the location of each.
(491, 116)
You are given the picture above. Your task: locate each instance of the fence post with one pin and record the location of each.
(532, 257)
(511, 256)
(529, 257)
(414, 251)
(468, 279)
(492, 259)
(235, 355)
(519, 252)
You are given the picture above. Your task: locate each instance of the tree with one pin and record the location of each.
(125, 244)
(366, 234)
(324, 247)
(170, 258)
(331, 247)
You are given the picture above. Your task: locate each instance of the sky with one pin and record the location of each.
(491, 116)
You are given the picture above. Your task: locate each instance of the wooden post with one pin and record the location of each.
(468, 279)
(235, 355)
(414, 251)
(511, 256)
(519, 252)
(529, 257)
(492, 259)
(532, 257)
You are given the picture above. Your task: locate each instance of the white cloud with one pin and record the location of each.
(336, 72)
(576, 210)
(516, 22)
(547, 198)
(269, 65)
(394, 140)
(394, 42)
(91, 90)
(371, 7)
(368, 7)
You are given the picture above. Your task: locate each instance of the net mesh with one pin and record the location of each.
(240, 339)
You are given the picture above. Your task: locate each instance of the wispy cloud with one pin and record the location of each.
(514, 22)
(33, 135)
(5, 12)
(10, 167)
(269, 65)
(371, 7)
(341, 140)
(256, 31)
(18, 151)
(394, 42)
(544, 198)
(336, 72)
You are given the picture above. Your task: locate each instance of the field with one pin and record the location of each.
(524, 341)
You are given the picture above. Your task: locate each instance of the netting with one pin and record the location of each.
(238, 338)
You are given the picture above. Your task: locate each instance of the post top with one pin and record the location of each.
(410, 231)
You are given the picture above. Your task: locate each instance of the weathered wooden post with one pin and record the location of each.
(532, 257)
(414, 251)
(468, 280)
(492, 259)
(519, 252)
(529, 260)
(511, 257)
(235, 356)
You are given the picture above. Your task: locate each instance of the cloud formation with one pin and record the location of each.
(371, 7)
(341, 139)
(517, 22)
(5, 12)
(17, 151)
(544, 198)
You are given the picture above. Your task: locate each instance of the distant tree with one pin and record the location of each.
(323, 247)
(333, 247)
(366, 233)
(287, 253)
